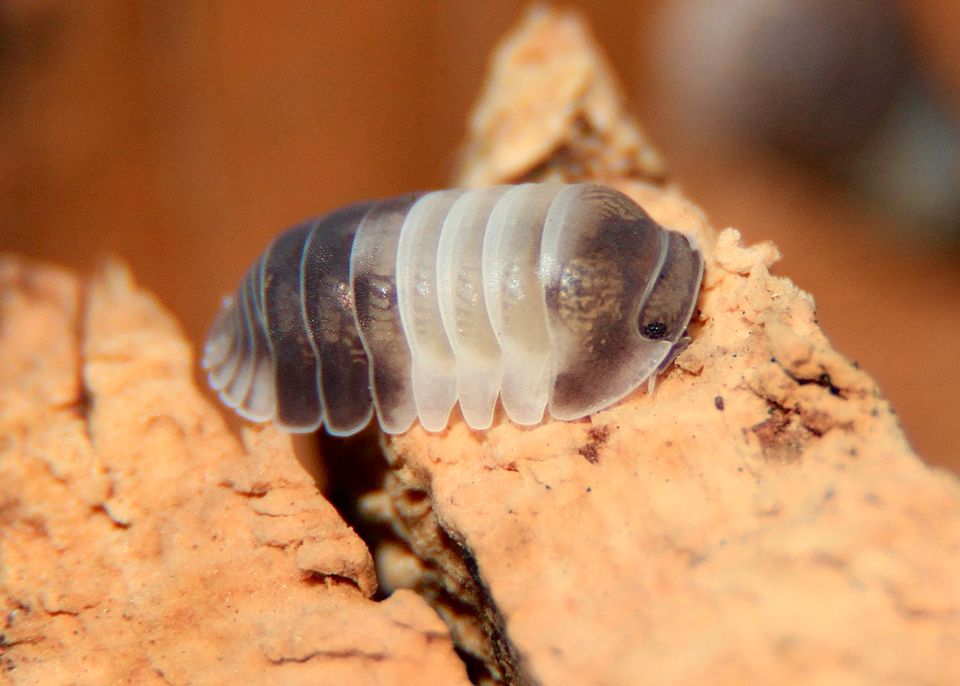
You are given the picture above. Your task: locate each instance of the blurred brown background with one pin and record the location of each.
(183, 136)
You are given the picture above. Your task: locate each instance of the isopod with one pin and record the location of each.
(559, 297)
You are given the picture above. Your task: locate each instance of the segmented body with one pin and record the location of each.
(551, 297)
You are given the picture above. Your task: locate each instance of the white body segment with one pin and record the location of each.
(463, 304)
(547, 296)
(515, 298)
(434, 371)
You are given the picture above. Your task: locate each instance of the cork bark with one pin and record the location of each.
(142, 543)
(758, 518)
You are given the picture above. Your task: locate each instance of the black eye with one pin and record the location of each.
(654, 330)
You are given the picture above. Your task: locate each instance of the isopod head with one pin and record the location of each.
(620, 292)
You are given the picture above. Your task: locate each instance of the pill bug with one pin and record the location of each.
(548, 296)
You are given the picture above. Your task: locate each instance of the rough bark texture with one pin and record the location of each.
(758, 519)
(140, 543)
(551, 107)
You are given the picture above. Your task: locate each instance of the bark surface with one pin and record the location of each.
(142, 543)
(758, 518)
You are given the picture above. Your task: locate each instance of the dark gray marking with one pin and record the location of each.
(603, 279)
(344, 372)
(374, 285)
(295, 366)
(669, 304)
